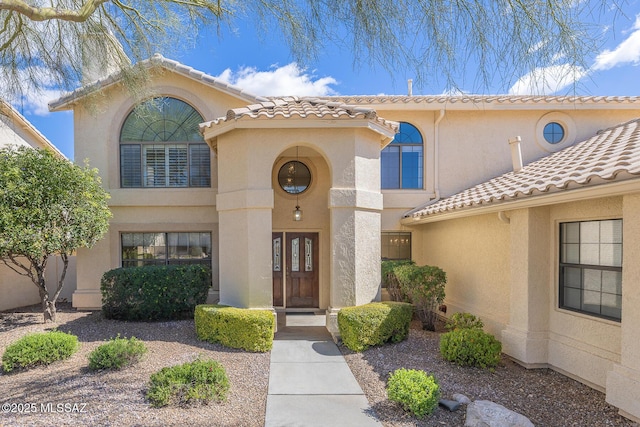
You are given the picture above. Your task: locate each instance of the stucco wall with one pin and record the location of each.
(473, 145)
(474, 252)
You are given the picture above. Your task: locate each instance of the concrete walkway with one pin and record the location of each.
(310, 383)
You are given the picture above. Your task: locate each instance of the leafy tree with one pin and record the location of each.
(47, 206)
(42, 44)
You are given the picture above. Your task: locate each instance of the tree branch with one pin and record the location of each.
(49, 13)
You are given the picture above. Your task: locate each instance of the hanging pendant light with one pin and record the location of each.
(297, 213)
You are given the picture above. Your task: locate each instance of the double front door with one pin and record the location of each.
(295, 270)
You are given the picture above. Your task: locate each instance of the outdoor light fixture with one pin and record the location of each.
(297, 213)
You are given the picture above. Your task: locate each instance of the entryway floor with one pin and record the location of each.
(310, 383)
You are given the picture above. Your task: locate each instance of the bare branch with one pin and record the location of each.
(47, 13)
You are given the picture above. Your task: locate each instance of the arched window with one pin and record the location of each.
(402, 159)
(160, 146)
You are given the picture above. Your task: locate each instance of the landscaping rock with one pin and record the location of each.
(483, 413)
(461, 398)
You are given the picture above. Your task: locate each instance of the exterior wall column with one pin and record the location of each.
(355, 250)
(623, 382)
(245, 248)
(526, 336)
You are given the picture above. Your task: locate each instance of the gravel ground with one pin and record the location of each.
(118, 398)
(546, 397)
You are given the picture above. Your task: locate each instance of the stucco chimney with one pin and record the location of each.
(410, 87)
(102, 55)
(516, 153)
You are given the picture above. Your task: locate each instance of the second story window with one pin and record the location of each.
(160, 146)
(402, 160)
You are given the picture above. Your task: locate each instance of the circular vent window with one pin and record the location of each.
(294, 177)
(553, 133)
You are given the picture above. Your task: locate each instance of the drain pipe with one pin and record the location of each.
(436, 155)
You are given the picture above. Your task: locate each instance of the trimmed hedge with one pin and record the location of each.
(250, 330)
(470, 347)
(374, 324)
(416, 391)
(154, 292)
(39, 348)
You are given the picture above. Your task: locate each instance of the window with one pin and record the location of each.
(591, 267)
(553, 132)
(401, 161)
(165, 248)
(160, 146)
(396, 245)
(294, 177)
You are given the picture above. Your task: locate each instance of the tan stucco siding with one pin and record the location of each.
(474, 252)
(16, 290)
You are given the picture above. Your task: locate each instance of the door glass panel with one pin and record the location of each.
(308, 254)
(277, 246)
(295, 254)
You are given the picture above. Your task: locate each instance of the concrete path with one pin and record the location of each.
(310, 383)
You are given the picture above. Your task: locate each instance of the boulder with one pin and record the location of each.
(461, 398)
(483, 413)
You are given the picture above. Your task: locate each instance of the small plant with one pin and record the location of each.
(425, 288)
(198, 381)
(463, 321)
(40, 348)
(470, 347)
(390, 281)
(117, 353)
(414, 390)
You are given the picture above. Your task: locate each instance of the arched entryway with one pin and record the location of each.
(301, 228)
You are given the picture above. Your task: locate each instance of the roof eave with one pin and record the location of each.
(618, 188)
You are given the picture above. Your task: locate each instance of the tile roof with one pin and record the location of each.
(304, 107)
(611, 155)
(158, 60)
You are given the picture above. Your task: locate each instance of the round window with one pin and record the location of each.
(553, 132)
(294, 177)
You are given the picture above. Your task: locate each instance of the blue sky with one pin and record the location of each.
(255, 62)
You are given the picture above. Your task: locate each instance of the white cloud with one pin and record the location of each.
(547, 80)
(287, 80)
(627, 52)
(32, 101)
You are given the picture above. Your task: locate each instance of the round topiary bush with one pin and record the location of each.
(416, 391)
(117, 353)
(40, 348)
(470, 347)
(463, 321)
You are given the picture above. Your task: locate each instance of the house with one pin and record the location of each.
(294, 201)
(17, 290)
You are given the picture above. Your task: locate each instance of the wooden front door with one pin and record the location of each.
(297, 255)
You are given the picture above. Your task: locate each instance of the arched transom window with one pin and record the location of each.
(402, 159)
(160, 146)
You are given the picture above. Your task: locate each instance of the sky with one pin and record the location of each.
(255, 62)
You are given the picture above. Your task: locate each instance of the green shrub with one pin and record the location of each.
(251, 330)
(200, 381)
(414, 390)
(154, 292)
(470, 347)
(390, 281)
(40, 348)
(463, 321)
(117, 353)
(374, 324)
(425, 288)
